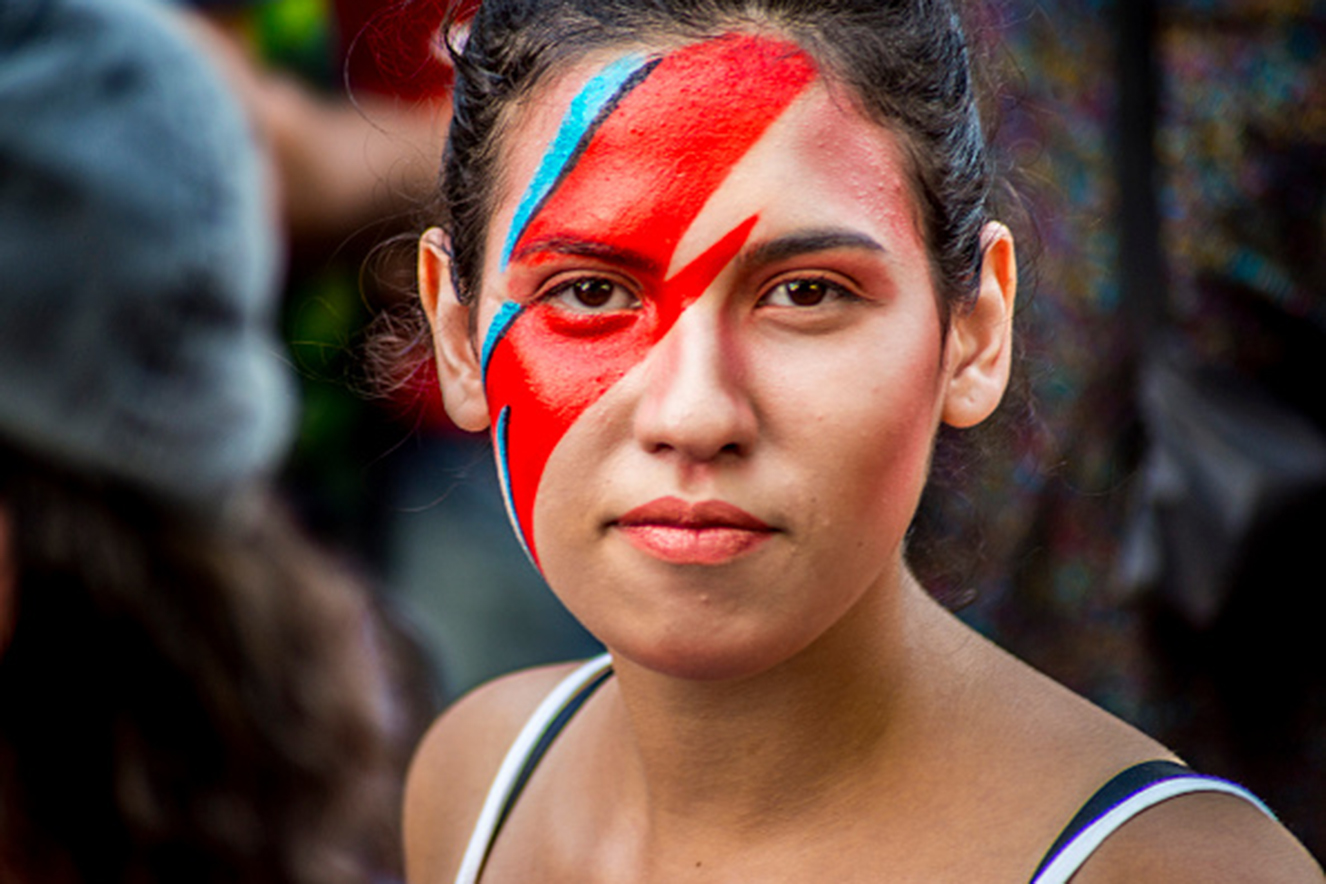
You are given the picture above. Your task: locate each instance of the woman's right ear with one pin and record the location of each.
(458, 368)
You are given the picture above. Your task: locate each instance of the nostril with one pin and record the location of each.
(698, 452)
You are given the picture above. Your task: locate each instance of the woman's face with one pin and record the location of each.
(711, 351)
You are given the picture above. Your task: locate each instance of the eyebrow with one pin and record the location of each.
(589, 248)
(808, 241)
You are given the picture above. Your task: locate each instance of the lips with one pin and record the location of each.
(710, 532)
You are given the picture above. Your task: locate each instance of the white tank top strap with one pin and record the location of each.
(530, 744)
(1120, 801)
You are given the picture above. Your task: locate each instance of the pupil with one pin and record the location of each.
(805, 293)
(593, 292)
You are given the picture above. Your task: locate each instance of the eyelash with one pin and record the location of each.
(569, 288)
(831, 291)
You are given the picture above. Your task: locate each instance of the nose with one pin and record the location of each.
(696, 402)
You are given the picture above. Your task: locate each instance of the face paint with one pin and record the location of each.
(641, 148)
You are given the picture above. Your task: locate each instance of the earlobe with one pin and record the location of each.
(980, 338)
(457, 360)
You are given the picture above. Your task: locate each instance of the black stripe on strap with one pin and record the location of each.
(1119, 789)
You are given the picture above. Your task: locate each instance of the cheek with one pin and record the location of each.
(540, 379)
(858, 421)
(566, 513)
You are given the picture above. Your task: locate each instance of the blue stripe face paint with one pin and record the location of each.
(590, 106)
(506, 314)
(500, 432)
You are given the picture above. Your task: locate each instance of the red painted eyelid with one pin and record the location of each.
(560, 279)
(543, 277)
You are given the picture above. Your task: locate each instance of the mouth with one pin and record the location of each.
(710, 532)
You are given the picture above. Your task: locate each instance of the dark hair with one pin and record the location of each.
(906, 61)
(182, 698)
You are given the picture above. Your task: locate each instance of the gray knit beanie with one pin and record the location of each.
(139, 261)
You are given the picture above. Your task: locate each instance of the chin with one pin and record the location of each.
(707, 658)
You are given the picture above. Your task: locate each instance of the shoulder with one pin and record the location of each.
(455, 764)
(1210, 838)
(1065, 748)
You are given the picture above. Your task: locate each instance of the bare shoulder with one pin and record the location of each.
(1064, 748)
(455, 764)
(1210, 838)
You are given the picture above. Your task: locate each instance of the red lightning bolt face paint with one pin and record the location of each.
(641, 149)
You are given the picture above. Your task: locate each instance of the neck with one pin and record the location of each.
(793, 748)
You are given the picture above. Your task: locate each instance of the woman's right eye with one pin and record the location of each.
(592, 294)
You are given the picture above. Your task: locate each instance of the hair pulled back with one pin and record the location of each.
(906, 61)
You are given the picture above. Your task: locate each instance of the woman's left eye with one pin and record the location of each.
(593, 294)
(805, 293)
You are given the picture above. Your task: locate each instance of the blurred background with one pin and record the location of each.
(1149, 518)
(1155, 542)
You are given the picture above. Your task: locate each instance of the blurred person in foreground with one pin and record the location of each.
(189, 689)
(354, 110)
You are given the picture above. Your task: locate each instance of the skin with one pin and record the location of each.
(802, 709)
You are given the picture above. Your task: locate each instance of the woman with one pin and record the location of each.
(714, 274)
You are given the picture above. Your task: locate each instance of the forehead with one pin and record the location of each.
(711, 130)
(692, 77)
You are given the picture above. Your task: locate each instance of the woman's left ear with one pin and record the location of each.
(980, 338)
